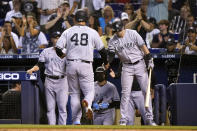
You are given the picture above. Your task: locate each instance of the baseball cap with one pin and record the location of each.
(100, 69)
(192, 29)
(124, 16)
(64, 2)
(55, 34)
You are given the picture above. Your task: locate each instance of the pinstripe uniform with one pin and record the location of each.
(128, 50)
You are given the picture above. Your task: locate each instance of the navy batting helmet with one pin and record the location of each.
(101, 74)
(81, 16)
(117, 25)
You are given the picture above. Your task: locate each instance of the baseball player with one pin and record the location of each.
(131, 49)
(79, 42)
(56, 86)
(106, 98)
(136, 100)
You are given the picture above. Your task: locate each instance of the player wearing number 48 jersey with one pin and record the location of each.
(79, 42)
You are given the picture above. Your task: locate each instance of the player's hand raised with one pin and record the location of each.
(112, 73)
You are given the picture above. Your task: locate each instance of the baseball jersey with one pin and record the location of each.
(128, 47)
(106, 93)
(80, 42)
(54, 65)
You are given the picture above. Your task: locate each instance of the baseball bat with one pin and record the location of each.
(147, 99)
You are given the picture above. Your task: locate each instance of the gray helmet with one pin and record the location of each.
(81, 16)
(117, 25)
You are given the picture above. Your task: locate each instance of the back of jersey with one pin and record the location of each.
(80, 42)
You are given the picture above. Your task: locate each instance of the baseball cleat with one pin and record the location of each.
(122, 123)
(151, 123)
(88, 110)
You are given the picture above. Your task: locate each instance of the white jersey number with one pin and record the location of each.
(83, 41)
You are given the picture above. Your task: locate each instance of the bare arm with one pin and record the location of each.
(32, 30)
(52, 22)
(13, 44)
(33, 69)
(145, 49)
(131, 24)
(75, 4)
(1, 38)
(146, 25)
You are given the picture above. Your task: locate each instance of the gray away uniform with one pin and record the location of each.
(130, 54)
(80, 42)
(56, 90)
(107, 93)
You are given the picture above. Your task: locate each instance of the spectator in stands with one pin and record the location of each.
(107, 36)
(178, 24)
(189, 23)
(160, 40)
(61, 20)
(17, 24)
(140, 23)
(190, 45)
(124, 18)
(94, 23)
(11, 102)
(158, 9)
(128, 8)
(46, 8)
(32, 39)
(15, 12)
(108, 16)
(150, 34)
(8, 40)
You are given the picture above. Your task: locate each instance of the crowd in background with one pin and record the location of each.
(27, 26)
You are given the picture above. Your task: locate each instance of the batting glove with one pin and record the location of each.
(104, 105)
(150, 64)
(95, 106)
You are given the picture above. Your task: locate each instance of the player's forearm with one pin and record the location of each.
(35, 68)
(114, 104)
(145, 49)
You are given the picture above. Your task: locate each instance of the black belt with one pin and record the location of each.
(55, 77)
(80, 60)
(135, 63)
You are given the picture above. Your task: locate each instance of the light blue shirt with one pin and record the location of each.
(158, 10)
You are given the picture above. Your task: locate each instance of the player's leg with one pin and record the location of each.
(98, 119)
(142, 78)
(126, 83)
(131, 110)
(74, 91)
(109, 117)
(139, 102)
(50, 101)
(86, 81)
(62, 99)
